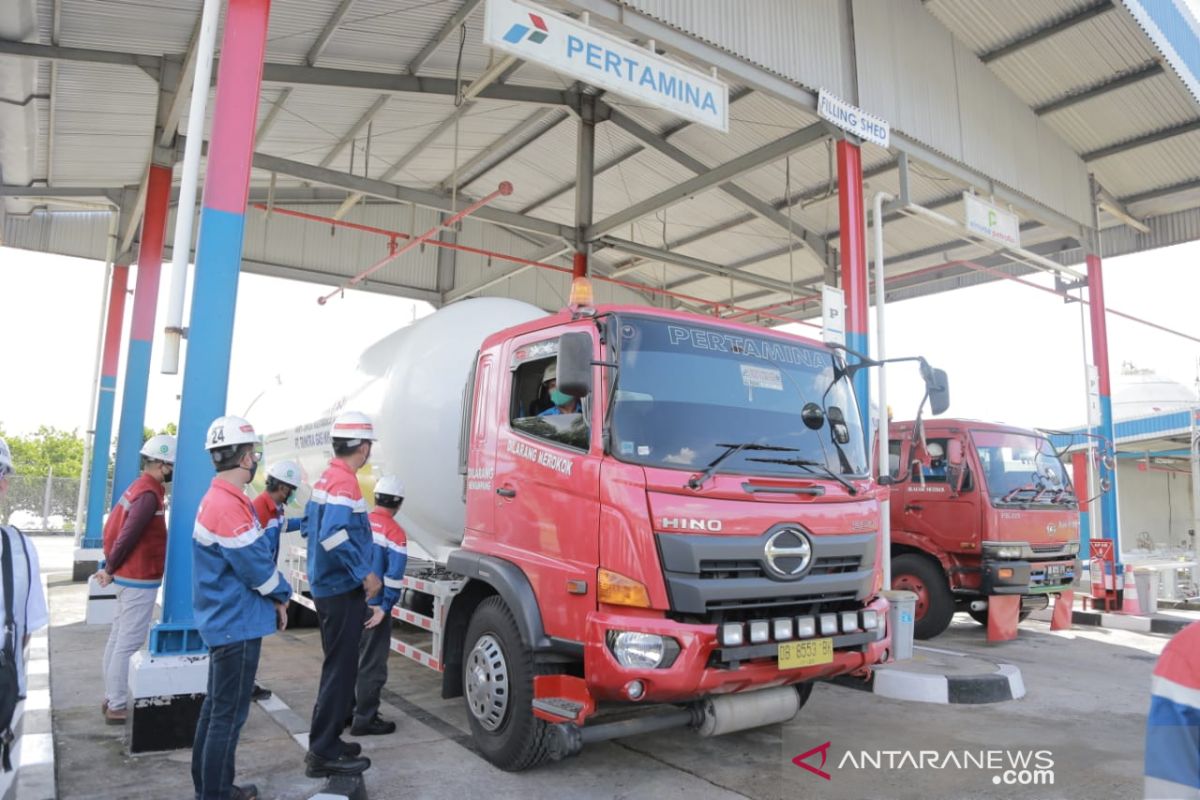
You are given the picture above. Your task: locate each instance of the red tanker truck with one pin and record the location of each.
(693, 528)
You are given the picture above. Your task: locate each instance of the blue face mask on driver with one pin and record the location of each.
(559, 399)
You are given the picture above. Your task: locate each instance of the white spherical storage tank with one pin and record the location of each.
(411, 383)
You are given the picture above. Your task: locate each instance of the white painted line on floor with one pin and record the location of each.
(928, 649)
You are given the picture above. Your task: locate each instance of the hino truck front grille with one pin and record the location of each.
(713, 574)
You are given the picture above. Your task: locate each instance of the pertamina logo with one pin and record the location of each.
(537, 34)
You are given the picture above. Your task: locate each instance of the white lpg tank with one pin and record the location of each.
(411, 384)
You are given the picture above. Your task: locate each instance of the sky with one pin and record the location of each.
(1013, 354)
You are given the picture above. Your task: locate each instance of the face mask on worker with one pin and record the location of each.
(253, 468)
(168, 473)
(559, 398)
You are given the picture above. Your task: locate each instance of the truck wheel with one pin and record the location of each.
(981, 616)
(935, 604)
(498, 671)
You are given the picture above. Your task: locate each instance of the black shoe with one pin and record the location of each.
(317, 767)
(245, 792)
(259, 693)
(376, 727)
(351, 748)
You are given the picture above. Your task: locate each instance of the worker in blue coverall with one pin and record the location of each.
(341, 580)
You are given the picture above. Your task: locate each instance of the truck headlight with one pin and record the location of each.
(642, 650)
(1003, 550)
(1073, 548)
(870, 619)
(732, 634)
(760, 631)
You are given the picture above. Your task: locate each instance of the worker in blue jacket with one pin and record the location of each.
(239, 596)
(341, 580)
(389, 558)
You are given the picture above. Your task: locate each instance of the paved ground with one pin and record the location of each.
(1087, 693)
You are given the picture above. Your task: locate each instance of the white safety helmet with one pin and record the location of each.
(160, 448)
(288, 472)
(353, 426)
(229, 431)
(551, 373)
(6, 462)
(390, 485)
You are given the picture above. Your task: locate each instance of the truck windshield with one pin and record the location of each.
(685, 389)
(1021, 469)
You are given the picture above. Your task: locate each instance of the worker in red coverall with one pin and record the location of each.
(1172, 764)
(389, 556)
(135, 552)
(283, 479)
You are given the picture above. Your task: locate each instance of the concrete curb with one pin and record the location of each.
(923, 687)
(1129, 622)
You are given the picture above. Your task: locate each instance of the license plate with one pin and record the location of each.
(794, 655)
(1056, 570)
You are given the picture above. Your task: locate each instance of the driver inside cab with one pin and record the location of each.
(562, 403)
(937, 462)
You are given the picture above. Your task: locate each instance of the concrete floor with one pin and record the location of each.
(1087, 694)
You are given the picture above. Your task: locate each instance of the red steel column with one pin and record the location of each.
(851, 224)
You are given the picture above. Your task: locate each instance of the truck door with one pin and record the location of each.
(477, 447)
(546, 484)
(931, 510)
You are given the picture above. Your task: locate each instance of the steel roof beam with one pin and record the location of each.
(331, 26)
(467, 174)
(1164, 191)
(552, 250)
(1041, 34)
(276, 107)
(404, 194)
(182, 92)
(303, 75)
(1076, 96)
(1141, 141)
(721, 176)
(442, 35)
(1106, 201)
(708, 268)
(706, 177)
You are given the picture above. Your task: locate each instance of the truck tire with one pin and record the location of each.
(935, 605)
(498, 672)
(982, 616)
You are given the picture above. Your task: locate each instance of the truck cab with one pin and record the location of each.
(692, 515)
(978, 510)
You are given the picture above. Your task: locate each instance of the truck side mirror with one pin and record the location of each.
(938, 387)
(575, 364)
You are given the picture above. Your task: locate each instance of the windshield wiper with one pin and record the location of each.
(810, 466)
(696, 481)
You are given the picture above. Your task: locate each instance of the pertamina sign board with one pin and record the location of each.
(568, 46)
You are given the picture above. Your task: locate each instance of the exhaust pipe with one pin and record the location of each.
(712, 716)
(727, 713)
(1034, 602)
(979, 605)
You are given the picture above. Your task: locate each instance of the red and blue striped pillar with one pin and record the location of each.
(1079, 475)
(141, 335)
(97, 503)
(1109, 527)
(852, 231)
(214, 295)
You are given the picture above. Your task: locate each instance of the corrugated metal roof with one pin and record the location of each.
(104, 113)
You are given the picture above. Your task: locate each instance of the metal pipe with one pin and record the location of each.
(185, 212)
(499, 256)
(504, 189)
(90, 431)
(885, 506)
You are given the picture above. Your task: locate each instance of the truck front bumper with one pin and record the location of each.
(1027, 577)
(704, 667)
